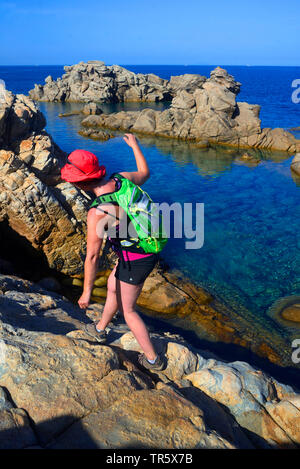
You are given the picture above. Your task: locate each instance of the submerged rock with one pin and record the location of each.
(95, 134)
(89, 109)
(286, 312)
(292, 313)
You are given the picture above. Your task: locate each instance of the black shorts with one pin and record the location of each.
(135, 272)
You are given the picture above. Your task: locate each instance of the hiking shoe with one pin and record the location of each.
(91, 330)
(158, 365)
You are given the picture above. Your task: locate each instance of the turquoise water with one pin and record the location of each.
(251, 254)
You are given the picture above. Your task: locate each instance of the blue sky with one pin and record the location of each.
(232, 32)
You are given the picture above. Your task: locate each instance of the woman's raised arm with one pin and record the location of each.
(143, 173)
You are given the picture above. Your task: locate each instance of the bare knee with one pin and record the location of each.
(129, 313)
(111, 286)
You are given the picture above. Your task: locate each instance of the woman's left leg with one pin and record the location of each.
(127, 296)
(111, 304)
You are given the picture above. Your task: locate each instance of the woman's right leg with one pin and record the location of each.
(127, 296)
(111, 304)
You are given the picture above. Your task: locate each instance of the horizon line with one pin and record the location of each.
(161, 65)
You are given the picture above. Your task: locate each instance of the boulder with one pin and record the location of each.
(94, 81)
(251, 397)
(295, 165)
(188, 82)
(19, 118)
(92, 108)
(206, 112)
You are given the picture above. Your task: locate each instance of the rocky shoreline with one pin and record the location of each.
(50, 216)
(61, 389)
(201, 109)
(58, 389)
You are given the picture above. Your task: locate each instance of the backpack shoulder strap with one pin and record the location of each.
(110, 196)
(117, 176)
(103, 199)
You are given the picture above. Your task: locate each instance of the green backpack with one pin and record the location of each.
(143, 213)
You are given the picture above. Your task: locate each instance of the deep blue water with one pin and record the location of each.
(251, 252)
(271, 87)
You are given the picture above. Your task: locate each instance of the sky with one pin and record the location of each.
(169, 32)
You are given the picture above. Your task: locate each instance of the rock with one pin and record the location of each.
(101, 292)
(23, 303)
(206, 112)
(60, 389)
(286, 414)
(95, 134)
(96, 82)
(100, 281)
(50, 216)
(92, 108)
(89, 109)
(19, 117)
(49, 283)
(273, 139)
(246, 392)
(184, 100)
(144, 419)
(71, 113)
(15, 430)
(295, 166)
(291, 313)
(285, 311)
(216, 417)
(249, 160)
(7, 267)
(188, 82)
(181, 361)
(53, 379)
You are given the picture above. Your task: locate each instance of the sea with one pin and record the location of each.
(250, 254)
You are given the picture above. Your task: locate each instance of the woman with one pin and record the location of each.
(134, 265)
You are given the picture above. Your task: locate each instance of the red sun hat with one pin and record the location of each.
(82, 165)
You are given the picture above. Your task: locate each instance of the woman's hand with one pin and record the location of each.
(131, 140)
(84, 300)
